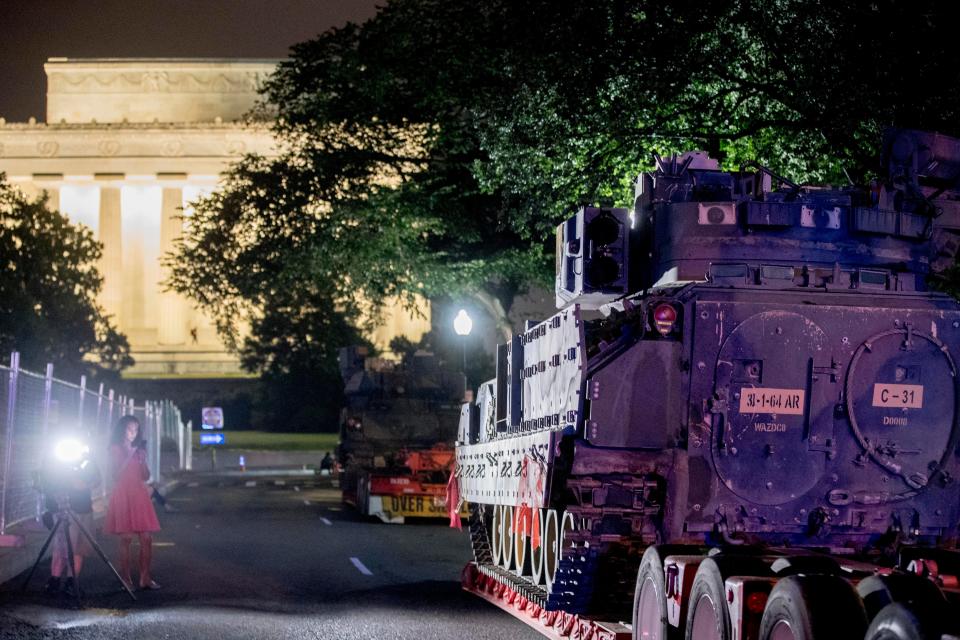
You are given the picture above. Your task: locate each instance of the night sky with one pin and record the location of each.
(32, 31)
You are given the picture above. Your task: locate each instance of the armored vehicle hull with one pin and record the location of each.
(758, 439)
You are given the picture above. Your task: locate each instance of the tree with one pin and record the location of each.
(432, 150)
(373, 191)
(805, 87)
(48, 288)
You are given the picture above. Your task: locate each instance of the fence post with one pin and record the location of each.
(189, 446)
(99, 421)
(83, 395)
(47, 399)
(109, 415)
(175, 420)
(8, 446)
(45, 426)
(158, 436)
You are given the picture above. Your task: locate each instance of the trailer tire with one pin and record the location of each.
(879, 591)
(709, 591)
(897, 621)
(816, 607)
(650, 598)
(707, 598)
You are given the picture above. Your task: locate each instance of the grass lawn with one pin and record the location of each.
(269, 441)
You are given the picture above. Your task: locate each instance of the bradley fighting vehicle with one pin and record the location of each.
(755, 437)
(397, 433)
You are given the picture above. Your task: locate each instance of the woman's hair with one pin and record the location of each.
(119, 435)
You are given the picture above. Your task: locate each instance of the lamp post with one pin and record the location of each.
(462, 324)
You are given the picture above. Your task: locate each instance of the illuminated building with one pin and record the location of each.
(126, 146)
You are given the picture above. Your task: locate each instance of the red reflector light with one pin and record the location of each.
(756, 601)
(664, 317)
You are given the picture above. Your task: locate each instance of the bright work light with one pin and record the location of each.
(70, 450)
(462, 324)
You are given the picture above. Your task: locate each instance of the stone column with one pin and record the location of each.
(172, 314)
(53, 197)
(111, 263)
(29, 189)
(49, 183)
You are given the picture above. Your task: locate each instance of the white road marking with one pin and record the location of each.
(250, 483)
(194, 484)
(296, 488)
(360, 567)
(306, 502)
(326, 522)
(279, 483)
(164, 544)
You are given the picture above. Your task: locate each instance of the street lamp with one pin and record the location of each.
(462, 324)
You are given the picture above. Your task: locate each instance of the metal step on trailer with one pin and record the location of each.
(503, 592)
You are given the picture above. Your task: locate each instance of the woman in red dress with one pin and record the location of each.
(130, 510)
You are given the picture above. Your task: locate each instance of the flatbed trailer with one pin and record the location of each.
(745, 596)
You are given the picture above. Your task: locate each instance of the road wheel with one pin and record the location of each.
(649, 598)
(550, 547)
(568, 524)
(818, 607)
(521, 543)
(537, 555)
(506, 537)
(496, 541)
(897, 621)
(707, 616)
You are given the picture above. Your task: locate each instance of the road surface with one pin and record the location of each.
(271, 558)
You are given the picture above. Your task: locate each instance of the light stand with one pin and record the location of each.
(463, 324)
(66, 517)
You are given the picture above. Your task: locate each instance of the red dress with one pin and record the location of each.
(130, 509)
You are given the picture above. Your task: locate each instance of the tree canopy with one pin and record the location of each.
(431, 150)
(48, 288)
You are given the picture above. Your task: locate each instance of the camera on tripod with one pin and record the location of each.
(67, 476)
(66, 480)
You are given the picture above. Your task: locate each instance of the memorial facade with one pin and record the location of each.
(127, 145)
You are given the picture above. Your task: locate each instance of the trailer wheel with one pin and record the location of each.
(908, 589)
(650, 598)
(899, 622)
(707, 616)
(818, 607)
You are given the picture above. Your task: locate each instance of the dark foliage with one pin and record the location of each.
(48, 288)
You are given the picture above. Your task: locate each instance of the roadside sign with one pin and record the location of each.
(211, 418)
(212, 438)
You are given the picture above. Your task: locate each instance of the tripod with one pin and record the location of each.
(65, 518)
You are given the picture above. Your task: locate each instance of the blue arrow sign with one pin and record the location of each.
(213, 438)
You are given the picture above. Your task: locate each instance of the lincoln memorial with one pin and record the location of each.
(127, 145)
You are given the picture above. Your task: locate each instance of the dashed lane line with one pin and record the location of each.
(326, 522)
(360, 567)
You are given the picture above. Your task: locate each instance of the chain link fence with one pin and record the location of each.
(37, 410)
